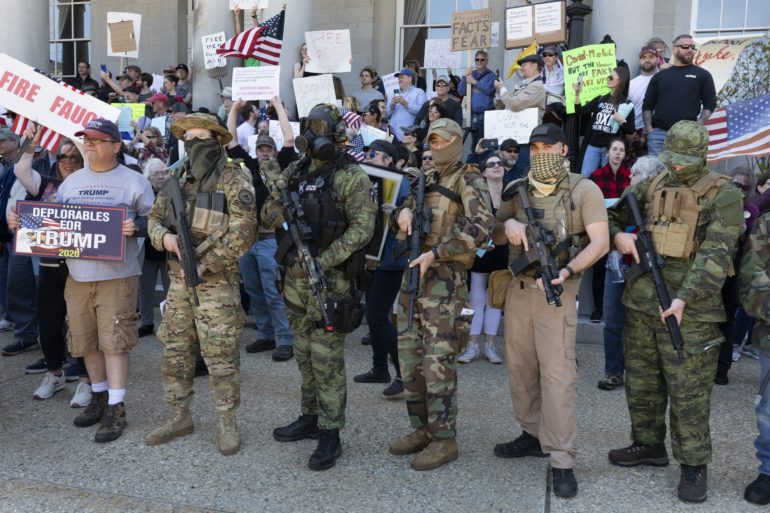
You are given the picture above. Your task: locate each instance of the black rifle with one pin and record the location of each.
(421, 219)
(540, 240)
(297, 228)
(651, 262)
(181, 226)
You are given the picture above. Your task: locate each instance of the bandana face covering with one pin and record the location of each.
(546, 171)
(206, 159)
(689, 173)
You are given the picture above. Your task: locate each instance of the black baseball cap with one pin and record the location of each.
(183, 66)
(385, 147)
(100, 128)
(509, 144)
(547, 133)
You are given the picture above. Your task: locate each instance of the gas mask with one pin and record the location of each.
(318, 137)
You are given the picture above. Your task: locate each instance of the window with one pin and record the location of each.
(730, 17)
(69, 34)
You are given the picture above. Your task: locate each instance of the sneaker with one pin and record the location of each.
(6, 325)
(596, 317)
(73, 372)
(610, 382)
(750, 351)
(18, 347)
(758, 491)
(82, 397)
(283, 353)
(693, 483)
(375, 375)
(639, 454)
(524, 445)
(394, 390)
(260, 345)
(38, 367)
(490, 354)
(146, 329)
(112, 424)
(736, 353)
(564, 482)
(470, 354)
(50, 385)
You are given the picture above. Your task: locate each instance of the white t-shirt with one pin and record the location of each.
(243, 132)
(636, 89)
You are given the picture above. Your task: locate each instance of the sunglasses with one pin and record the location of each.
(480, 60)
(512, 150)
(68, 158)
(427, 157)
(494, 164)
(686, 47)
(549, 54)
(88, 141)
(190, 137)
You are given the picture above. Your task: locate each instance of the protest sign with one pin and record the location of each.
(118, 20)
(390, 83)
(47, 102)
(277, 135)
(329, 51)
(385, 186)
(256, 83)
(310, 91)
(210, 44)
(137, 109)
(159, 122)
(248, 4)
(506, 124)
(70, 231)
(471, 29)
(439, 54)
(543, 22)
(124, 120)
(719, 56)
(369, 134)
(593, 63)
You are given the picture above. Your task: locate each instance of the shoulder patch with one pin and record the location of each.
(246, 197)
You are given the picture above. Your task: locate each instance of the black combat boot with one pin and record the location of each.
(693, 483)
(328, 450)
(758, 491)
(306, 426)
(564, 482)
(524, 445)
(635, 454)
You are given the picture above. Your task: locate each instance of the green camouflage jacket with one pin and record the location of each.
(755, 281)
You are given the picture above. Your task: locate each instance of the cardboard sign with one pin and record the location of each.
(256, 83)
(593, 63)
(386, 185)
(506, 124)
(439, 54)
(719, 56)
(471, 29)
(329, 51)
(310, 91)
(70, 231)
(47, 102)
(544, 22)
(122, 47)
(248, 4)
(210, 44)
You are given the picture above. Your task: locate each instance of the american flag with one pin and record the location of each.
(262, 42)
(351, 119)
(359, 156)
(31, 222)
(740, 129)
(48, 138)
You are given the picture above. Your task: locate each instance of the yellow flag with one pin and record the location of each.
(530, 50)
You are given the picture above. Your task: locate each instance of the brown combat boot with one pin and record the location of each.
(229, 440)
(179, 424)
(436, 454)
(411, 443)
(635, 454)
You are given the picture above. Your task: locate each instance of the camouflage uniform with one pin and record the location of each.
(428, 353)
(653, 374)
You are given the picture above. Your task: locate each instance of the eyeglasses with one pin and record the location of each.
(190, 137)
(549, 54)
(480, 60)
(497, 163)
(88, 141)
(68, 158)
(426, 157)
(512, 150)
(686, 47)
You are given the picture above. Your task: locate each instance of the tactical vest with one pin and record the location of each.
(675, 215)
(557, 213)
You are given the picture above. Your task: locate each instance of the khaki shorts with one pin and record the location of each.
(101, 315)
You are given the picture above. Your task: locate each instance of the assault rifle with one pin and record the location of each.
(651, 262)
(181, 226)
(420, 229)
(540, 240)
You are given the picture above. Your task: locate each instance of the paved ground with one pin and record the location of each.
(49, 465)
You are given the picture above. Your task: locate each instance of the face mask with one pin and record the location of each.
(546, 171)
(206, 157)
(448, 155)
(688, 173)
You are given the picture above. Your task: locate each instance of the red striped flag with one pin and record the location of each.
(48, 138)
(352, 120)
(262, 42)
(740, 129)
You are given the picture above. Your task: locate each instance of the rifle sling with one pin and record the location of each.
(453, 196)
(525, 259)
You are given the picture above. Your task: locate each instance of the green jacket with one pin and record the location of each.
(755, 281)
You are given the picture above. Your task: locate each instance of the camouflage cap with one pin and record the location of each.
(686, 143)
(445, 128)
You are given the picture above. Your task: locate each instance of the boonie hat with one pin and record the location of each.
(198, 120)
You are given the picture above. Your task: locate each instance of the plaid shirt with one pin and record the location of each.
(611, 184)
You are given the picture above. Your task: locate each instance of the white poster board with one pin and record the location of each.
(329, 51)
(390, 83)
(548, 17)
(116, 17)
(518, 23)
(159, 123)
(256, 83)
(310, 91)
(719, 57)
(439, 54)
(369, 134)
(210, 44)
(277, 135)
(47, 102)
(506, 124)
(248, 4)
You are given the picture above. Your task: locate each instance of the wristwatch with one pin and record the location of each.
(435, 253)
(570, 271)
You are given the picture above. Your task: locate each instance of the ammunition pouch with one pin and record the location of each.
(346, 313)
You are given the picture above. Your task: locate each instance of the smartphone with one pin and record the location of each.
(489, 144)
(104, 67)
(396, 92)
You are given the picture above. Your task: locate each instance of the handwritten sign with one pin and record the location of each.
(544, 22)
(518, 23)
(719, 56)
(506, 124)
(471, 29)
(369, 134)
(248, 4)
(439, 54)
(123, 48)
(277, 135)
(137, 109)
(35, 96)
(310, 91)
(329, 51)
(549, 17)
(256, 83)
(210, 44)
(390, 83)
(159, 123)
(70, 231)
(593, 63)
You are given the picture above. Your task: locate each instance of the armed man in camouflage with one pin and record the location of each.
(461, 218)
(694, 217)
(755, 298)
(332, 198)
(222, 218)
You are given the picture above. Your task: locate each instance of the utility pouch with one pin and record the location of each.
(346, 313)
(498, 288)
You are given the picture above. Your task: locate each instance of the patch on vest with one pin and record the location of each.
(246, 197)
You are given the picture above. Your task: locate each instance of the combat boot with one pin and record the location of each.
(229, 440)
(693, 483)
(639, 454)
(180, 424)
(758, 491)
(411, 443)
(306, 426)
(94, 411)
(328, 450)
(436, 454)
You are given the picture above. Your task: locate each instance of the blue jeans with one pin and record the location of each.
(259, 271)
(4, 258)
(742, 326)
(593, 158)
(380, 295)
(762, 442)
(22, 296)
(614, 313)
(655, 142)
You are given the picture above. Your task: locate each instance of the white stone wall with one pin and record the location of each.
(29, 46)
